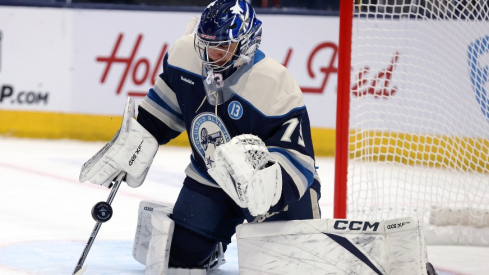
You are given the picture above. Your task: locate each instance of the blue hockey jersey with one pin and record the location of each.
(270, 105)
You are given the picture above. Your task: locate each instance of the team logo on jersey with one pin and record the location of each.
(208, 132)
(235, 110)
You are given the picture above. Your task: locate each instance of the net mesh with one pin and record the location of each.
(419, 111)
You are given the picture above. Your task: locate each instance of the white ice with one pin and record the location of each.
(45, 211)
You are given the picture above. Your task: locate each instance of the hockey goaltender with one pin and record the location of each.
(252, 159)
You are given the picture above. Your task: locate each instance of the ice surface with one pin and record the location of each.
(45, 217)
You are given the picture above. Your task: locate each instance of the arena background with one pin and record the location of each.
(67, 69)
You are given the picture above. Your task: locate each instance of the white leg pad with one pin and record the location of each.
(329, 246)
(184, 271)
(153, 238)
(160, 243)
(154, 233)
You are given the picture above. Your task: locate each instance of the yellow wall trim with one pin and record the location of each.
(469, 154)
(103, 128)
(458, 153)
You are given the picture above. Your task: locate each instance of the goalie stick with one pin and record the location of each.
(191, 25)
(101, 212)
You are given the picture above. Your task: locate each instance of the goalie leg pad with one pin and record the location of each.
(160, 243)
(329, 246)
(185, 271)
(146, 225)
(154, 234)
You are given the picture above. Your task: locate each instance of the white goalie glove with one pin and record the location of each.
(245, 171)
(131, 150)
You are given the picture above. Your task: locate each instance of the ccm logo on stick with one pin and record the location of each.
(356, 225)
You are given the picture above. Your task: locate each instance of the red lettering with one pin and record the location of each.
(142, 61)
(327, 71)
(159, 63)
(361, 81)
(113, 59)
(382, 79)
(330, 69)
(140, 71)
(287, 58)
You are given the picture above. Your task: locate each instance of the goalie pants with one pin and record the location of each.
(205, 216)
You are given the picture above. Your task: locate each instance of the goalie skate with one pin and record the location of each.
(216, 259)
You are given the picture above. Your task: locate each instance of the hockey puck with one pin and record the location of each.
(102, 211)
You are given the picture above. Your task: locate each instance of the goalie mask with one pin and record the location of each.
(227, 38)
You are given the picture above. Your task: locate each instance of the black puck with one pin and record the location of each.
(102, 211)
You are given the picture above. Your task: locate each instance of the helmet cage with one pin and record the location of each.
(202, 47)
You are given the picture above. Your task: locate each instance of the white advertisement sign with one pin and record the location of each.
(421, 76)
(35, 59)
(123, 57)
(308, 47)
(120, 57)
(88, 61)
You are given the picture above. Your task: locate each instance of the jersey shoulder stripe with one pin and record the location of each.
(164, 104)
(161, 102)
(162, 114)
(167, 94)
(302, 173)
(192, 172)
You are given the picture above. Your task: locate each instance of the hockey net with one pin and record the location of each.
(417, 139)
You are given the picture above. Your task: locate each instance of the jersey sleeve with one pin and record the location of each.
(282, 122)
(159, 112)
(291, 146)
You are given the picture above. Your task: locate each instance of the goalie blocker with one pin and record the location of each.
(131, 150)
(330, 246)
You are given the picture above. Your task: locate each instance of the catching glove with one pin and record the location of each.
(245, 171)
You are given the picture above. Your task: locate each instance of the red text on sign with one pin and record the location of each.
(133, 68)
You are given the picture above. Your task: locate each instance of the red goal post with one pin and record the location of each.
(412, 125)
(342, 105)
